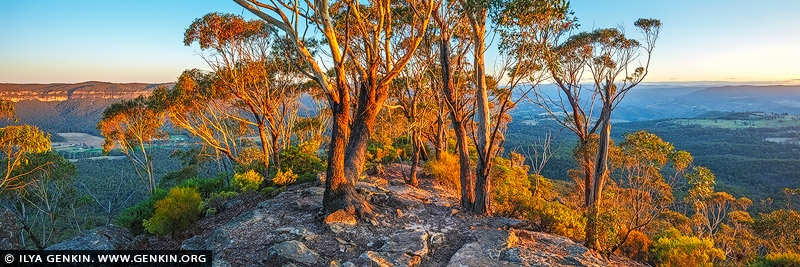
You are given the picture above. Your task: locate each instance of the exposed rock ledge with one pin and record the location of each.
(413, 227)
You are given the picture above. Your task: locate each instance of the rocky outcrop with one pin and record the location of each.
(103, 238)
(292, 251)
(340, 221)
(9, 231)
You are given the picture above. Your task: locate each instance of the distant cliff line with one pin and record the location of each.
(85, 90)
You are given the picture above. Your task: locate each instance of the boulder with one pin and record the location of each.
(292, 250)
(233, 203)
(386, 259)
(486, 249)
(102, 238)
(340, 221)
(9, 231)
(413, 243)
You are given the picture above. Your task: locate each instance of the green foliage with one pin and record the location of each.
(778, 260)
(302, 161)
(133, 217)
(217, 200)
(247, 181)
(206, 187)
(511, 188)
(178, 211)
(174, 178)
(284, 177)
(672, 248)
(781, 228)
(446, 171)
(556, 218)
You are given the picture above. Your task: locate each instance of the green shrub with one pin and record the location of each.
(133, 217)
(217, 200)
(511, 188)
(284, 177)
(302, 161)
(556, 218)
(174, 178)
(248, 181)
(175, 213)
(445, 171)
(206, 186)
(672, 248)
(778, 260)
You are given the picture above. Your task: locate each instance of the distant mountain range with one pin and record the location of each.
(69, 107)
(663, 102)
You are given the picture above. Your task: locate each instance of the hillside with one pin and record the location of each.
(413, 227)
(69, 107)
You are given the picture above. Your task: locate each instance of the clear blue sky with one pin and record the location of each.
(141, 41)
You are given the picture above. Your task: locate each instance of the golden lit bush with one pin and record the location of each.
(556, 218)
(284, 177)
(247, 181)
(511, 188)
(445, 171)
(672, 248)
(637, 246)
(175, 213)
(778, 260)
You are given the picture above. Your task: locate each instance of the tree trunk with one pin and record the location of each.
(262, 133)
(415, 143)
(340, 193)
(440, 142)
(483, 181)
(467, 182)
(598, 178)
(369, 104)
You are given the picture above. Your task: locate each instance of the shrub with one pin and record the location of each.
(637, 246)
(672, 248)
(217, 200)
(511, 188)
(175, 213)
(247, 181)
(778, 260)
(302, 161)
(556, 218)
(176, 177)
(133, 217)
(780, 227)
(445, 171)
(284, 178)
(206, 186)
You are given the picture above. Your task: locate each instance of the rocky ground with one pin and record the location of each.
(413, 227)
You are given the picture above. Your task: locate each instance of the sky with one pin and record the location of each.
(142, 41)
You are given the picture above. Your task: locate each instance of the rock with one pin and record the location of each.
(385, 259)
(405, 202)
(220, 263)
(485, 251)
(110, 237)
(142, 242)
(437, 239)
(293, 251)
(194, 243)
(233, 203)
(413, 243)
(313, 191)
(340, 221)
(512, 255)
(345, 264)
(9, 231)
(376, 170)
(309, 203)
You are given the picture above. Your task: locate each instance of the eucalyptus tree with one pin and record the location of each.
(614, 69)
(131, 126)
(358, 38)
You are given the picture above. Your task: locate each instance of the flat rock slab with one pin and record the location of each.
(110, 237)
(386, 259)
(412, 242)
(293, 250)
(340, 221)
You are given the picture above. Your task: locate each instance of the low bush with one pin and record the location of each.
(302, 161)
(247, 181)
(175, 213)
(217, 200)
(672, 248)
(556, 218)
(445, 171)
(133, 217)
(206, 187)
(284, 177)
(637, 246)
(778, 260)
